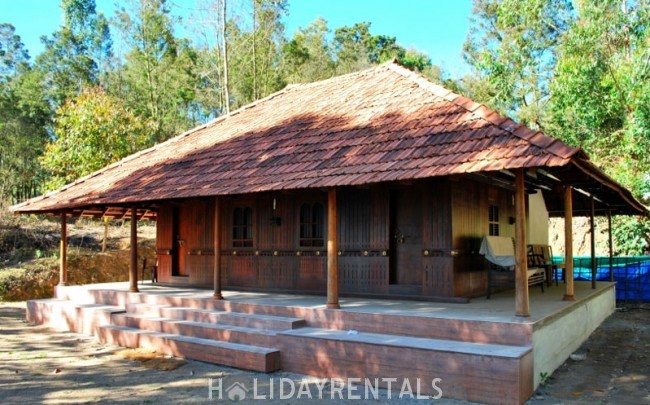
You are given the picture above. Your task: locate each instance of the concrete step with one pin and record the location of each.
(463, 367)
(221, 332)
(266, 322)
(224, 353)
(65, 315)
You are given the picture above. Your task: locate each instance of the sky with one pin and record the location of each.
(437, 27)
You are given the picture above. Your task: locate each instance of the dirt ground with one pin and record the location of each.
(39, 365)
(616, 369)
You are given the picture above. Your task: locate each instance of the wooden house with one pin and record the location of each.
(375, 184)
(417, 176)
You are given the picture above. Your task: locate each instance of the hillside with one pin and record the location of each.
(29, 253)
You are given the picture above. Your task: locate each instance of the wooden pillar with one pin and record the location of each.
(568, 243)
(63, 252)
(332, 252)
(592, 225)
(133, 269)
(611, 246)
(217, 249)
(105, 241)
(522, 304)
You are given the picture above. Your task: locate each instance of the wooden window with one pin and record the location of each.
(493, 220)
(311, 225)
(242, 227)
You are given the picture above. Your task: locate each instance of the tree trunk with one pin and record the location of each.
(225, 57)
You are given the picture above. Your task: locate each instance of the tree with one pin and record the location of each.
(24, 115)
(601, 99)
(13, 55)
(307, 57)
(512, 46)
(353, 47)
(254, 49)
(92, 130)
(78, 53)
(158, 79)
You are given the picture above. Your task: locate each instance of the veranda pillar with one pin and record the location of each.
(592, 225)
(217, 250)
(568, 243)
(522, 304)
(332, 252)
(611, 246)
(63, 252)
(133, 269)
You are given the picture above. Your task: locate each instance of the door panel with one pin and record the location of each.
(406, 237)
(179, 245)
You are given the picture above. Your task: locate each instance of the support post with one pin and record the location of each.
(611, 246)
(105, 241)
(568, 243)
(332, 252)
(63, 252)
(133, 270)
(217, 250)
(592, 225)
(522, 303)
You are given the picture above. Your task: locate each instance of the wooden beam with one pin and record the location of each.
(592, 226)
(568, 243)
(522, 304)
(63, 252)
(217, 250)
(133, 270)
(611, 246)
(332, 252)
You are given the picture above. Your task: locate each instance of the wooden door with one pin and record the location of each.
(406, 237)
(179, 245)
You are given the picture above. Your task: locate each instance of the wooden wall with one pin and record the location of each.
(470, 211)
(454, 218)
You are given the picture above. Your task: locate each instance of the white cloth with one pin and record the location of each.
(498, 250)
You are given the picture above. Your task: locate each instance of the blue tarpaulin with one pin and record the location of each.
(631, 274)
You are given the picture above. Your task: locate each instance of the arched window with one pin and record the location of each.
(311, 225)
(242, 227)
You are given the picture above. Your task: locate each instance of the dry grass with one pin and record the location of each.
(152, 359)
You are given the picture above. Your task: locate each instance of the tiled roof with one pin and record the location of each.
(381, 124)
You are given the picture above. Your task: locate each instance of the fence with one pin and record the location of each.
(632, 275)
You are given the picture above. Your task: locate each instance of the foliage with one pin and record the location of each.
(512, 47)
(544, 378)
(13, 55)
(307, 57)
(581, 75)
(76, 54)
(158, 79)
(632, 236)
(311, 55)
(254, 55)
(93, 130)
(24, 115)
(601, 99)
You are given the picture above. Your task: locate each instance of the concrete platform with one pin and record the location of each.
(482, 351)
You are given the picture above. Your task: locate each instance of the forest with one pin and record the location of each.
(576, 70)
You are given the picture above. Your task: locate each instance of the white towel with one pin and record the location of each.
(498, 250)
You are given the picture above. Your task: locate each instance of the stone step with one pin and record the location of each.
(237, 355)
(266, 322)
(221, 332)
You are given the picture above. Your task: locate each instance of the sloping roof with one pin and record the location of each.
(381, 124)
